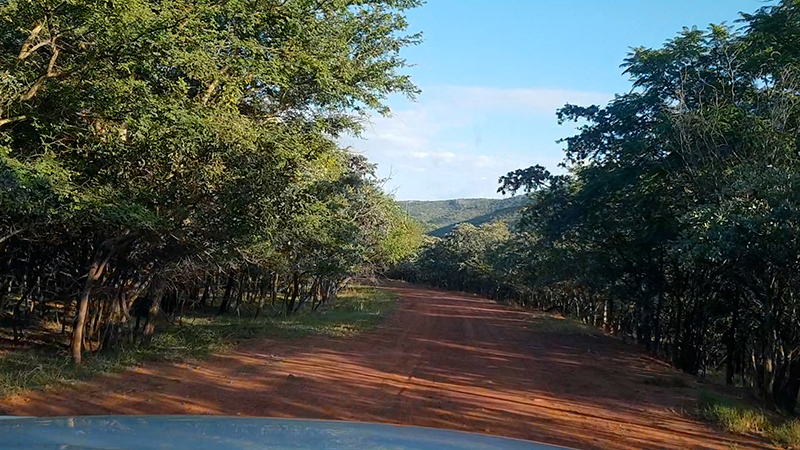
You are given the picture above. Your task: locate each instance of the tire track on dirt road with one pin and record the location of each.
(442, 360)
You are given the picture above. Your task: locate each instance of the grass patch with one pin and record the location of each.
(561, 325)
(787, 435)
(731, 415)
(357, 309)
(739, 418)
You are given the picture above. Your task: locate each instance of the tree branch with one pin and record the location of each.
(11, 120)
(26, 50)
(51, 73)
(52, 64)
(211, 88)
(25, 53)
(13, 233)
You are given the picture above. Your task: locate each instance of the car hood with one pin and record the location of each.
(210, 432)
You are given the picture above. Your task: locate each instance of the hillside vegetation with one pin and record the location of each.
(439, 217)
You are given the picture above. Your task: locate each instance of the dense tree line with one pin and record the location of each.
(678, 221)
(155, 154)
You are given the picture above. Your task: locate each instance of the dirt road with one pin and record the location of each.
(443, 360)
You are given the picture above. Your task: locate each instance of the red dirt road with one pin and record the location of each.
(443, 360)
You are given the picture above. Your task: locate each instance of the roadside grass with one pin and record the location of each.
(357, 309)
(731, 415)
(546, 323)
(737, 417)
(787, 434)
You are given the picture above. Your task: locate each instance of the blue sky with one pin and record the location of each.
(492, 74)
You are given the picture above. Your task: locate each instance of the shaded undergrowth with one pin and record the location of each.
(356, 310)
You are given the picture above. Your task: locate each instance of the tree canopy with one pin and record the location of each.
(150, 148)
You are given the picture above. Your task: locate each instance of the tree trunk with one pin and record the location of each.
(150, 323)
(730, 345)
(657, 323)
(273, 295)
(206, 290)
(263, 284)
(295, 292)
(226, 298)
(94, 324)
(95, 272)
(786, 396)
(112, 332)
(5, 293)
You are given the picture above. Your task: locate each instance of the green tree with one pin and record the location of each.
(141, 138)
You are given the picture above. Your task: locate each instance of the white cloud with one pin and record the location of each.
(457, 141)
(436, 156)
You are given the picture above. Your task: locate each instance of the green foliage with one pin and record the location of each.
(465, 259)
(440, 216)
(403, 240)
(158, 149)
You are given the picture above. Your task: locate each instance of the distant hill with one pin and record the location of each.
(440, 216)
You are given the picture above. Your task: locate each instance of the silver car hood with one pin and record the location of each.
(223, 433)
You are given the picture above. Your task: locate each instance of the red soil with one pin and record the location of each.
(442, 360)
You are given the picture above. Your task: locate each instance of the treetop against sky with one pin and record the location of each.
(492, 75)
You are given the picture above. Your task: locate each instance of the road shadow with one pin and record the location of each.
(442, 360)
